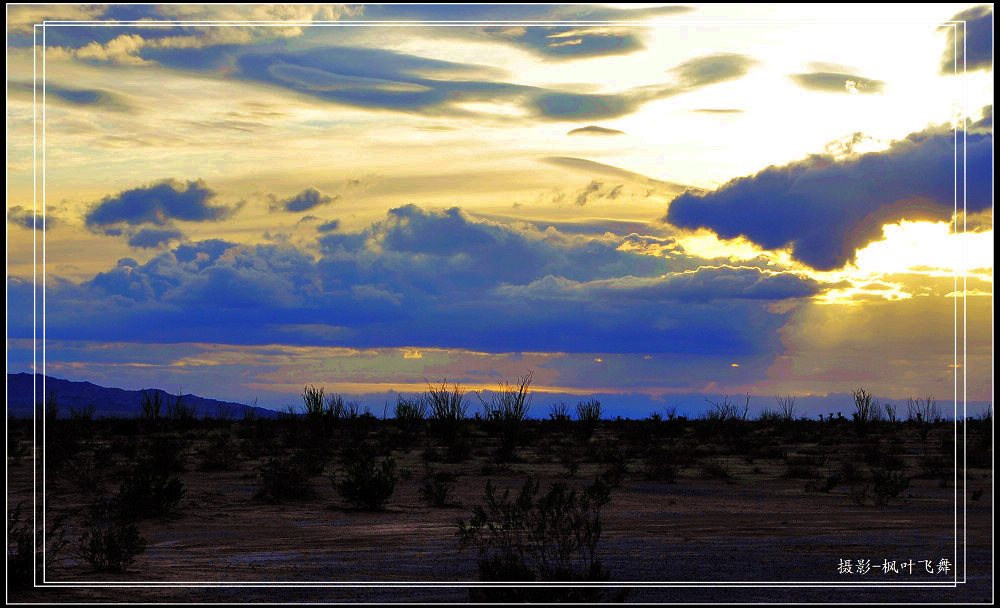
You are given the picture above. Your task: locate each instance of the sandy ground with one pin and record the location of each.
(757, 536)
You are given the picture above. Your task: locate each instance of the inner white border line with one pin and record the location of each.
(834, 584)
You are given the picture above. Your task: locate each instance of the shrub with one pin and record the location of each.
(886, 485)
(504, 413)
(786, 407)
(924, 413)
(770, 416)
(448, 408)
(220, 454)
(447, 404)
(553, 537)
(146, 494)
(368, 485)
(152, 404)
(22, 560)
(589, 414)
(284, 478)
(717, 468)
(179, 411)
(724, 411)
(410, 411)
(664, 462)
(436, 486)
(83, 414)
(863, 409)
(312, 400)
(559, 412)
(165, 454)
(108, 545)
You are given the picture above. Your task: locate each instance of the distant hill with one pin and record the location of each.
(110, 402)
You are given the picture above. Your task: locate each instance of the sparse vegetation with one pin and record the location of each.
(142, 469)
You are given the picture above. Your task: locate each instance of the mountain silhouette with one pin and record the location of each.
(110, 402)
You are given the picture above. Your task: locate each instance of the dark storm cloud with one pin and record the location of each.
(430, 277)
(595, 130)
(26, 218)
(832, 82)
(328, 226)
(972, 42)
(158, 204)
(303, 201)
(151, 238)
(825, 209)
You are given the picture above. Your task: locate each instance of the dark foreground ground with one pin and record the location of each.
(714, 511)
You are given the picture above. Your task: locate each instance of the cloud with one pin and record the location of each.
(26, 218)
(971, 45)
(380, 79)
(569, 42)
(705, 284)
(597, 190)
(824, 209)
(158, 204)
(595, 130)
(710, 69)
(151, 238)
(984, 124)
(22, 17)
(832, 82)
(125, 45)
(303, 201)
(593, 167)
(330, 226)
(551, 42)
(98, 99)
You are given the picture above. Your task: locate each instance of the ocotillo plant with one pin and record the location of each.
(505, 411)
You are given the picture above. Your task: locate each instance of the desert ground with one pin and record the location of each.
(717, 508)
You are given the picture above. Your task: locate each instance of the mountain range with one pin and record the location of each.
(109, 402)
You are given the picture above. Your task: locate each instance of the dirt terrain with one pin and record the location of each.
(760, 513)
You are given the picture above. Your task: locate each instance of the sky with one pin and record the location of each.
(653, 204)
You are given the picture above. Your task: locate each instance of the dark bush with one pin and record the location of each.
(283, 478)
(553, 537)
(886, 485)
(436, 486)
(148, 494)
(22, 559)
(109, 545)
(663, 462)
(366, 484)
(220, 454)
